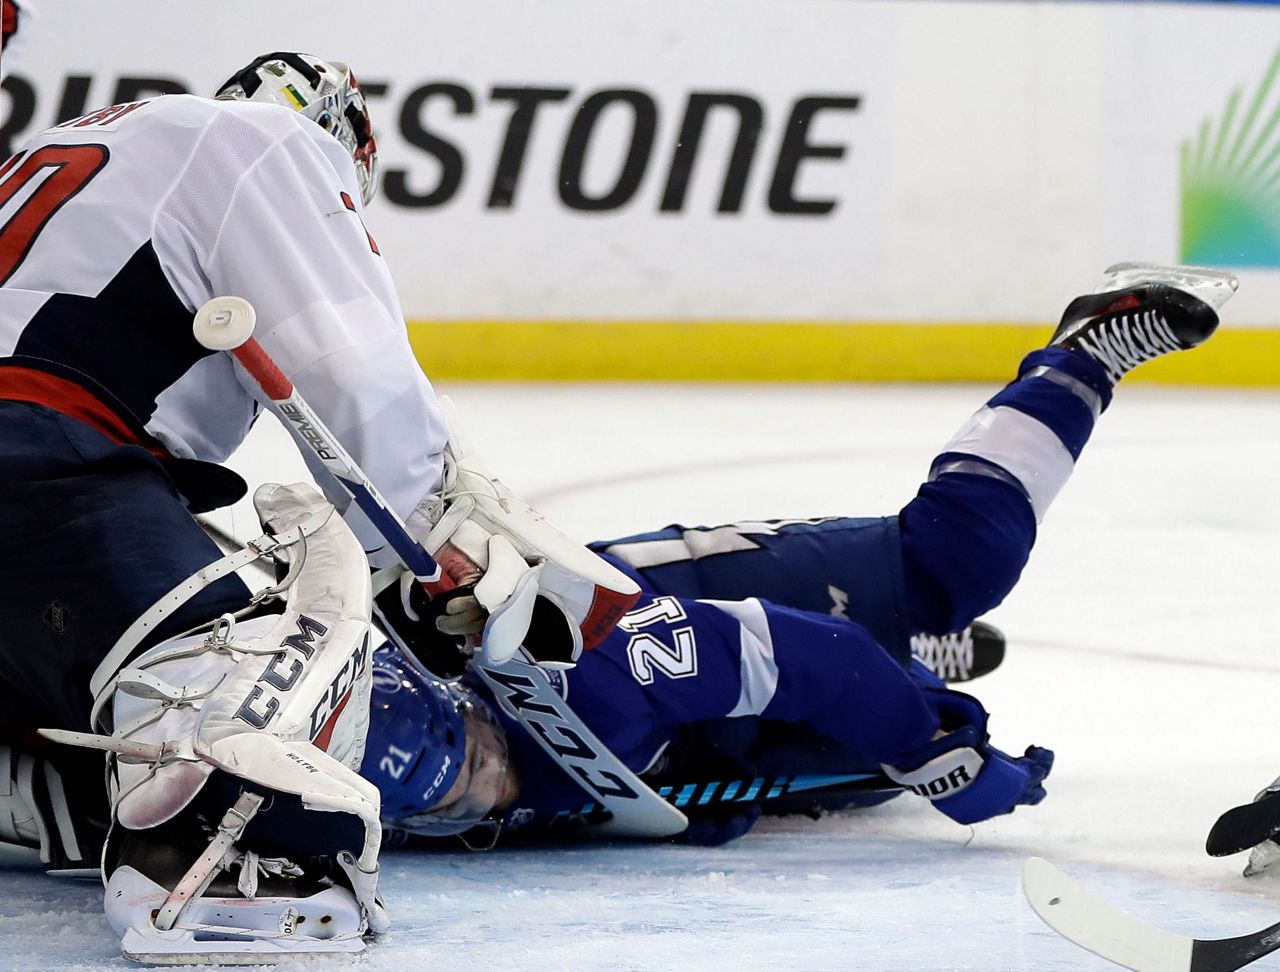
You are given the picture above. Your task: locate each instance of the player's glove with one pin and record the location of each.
(962, 774)
(713, 828)
(434, 630)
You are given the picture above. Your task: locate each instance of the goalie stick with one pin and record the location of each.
(1078, 916)
(519, 685)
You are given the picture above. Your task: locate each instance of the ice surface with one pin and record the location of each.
(1143, 649)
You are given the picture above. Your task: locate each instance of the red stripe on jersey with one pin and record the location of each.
(18, 384)
(264, 371)
(373, 244)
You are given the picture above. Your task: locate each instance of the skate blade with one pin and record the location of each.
(1262, 858)
(1214, 287)
(194, 950)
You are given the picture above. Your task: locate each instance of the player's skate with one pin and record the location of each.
(1143, 311)
(1254, 827)
(240, 908)
(241, 832)
(961, 656)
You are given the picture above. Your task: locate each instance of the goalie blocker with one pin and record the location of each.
(241, 831)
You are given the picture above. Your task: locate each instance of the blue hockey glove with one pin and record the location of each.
(715, 829)
(962, 774)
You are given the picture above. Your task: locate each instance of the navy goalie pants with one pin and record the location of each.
(92, 533)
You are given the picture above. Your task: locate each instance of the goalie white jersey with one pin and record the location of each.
(116, 226)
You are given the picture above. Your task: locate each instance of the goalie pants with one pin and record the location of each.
(91, 534)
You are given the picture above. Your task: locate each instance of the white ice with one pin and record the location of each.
(1143, 649)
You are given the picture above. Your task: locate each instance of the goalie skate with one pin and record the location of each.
(169, 913)
(231, 930)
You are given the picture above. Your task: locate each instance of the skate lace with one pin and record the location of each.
(253, 866)
(1123, 342)
(949, 656)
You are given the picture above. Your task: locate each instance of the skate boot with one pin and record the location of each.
(1143, 311)
(961, 656)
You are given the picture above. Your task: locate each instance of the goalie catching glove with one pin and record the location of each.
(241, 830)
(518, 581)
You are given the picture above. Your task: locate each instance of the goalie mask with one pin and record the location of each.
(324, 91)
(434, 751)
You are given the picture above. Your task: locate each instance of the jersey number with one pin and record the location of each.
(73, 167)
(645, 653)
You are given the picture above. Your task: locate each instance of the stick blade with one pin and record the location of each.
(1075, 914)
(1245, 826)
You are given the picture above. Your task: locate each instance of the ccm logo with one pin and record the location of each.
(281, 674)
(517, 694)
(331, 703)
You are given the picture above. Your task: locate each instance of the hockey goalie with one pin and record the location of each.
(240, 825)
(231, 746)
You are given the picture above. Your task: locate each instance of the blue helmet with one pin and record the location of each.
(424, 737)
(417, 740)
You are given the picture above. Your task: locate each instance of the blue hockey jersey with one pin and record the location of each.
(696, 686)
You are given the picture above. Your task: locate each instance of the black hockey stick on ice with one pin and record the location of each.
(1245, 826)
(1091, 923)
(519, 686)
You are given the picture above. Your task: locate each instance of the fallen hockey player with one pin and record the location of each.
(731, 671)
(692, 682)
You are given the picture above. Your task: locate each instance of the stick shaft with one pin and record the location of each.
(760, 789)
(308, 427)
